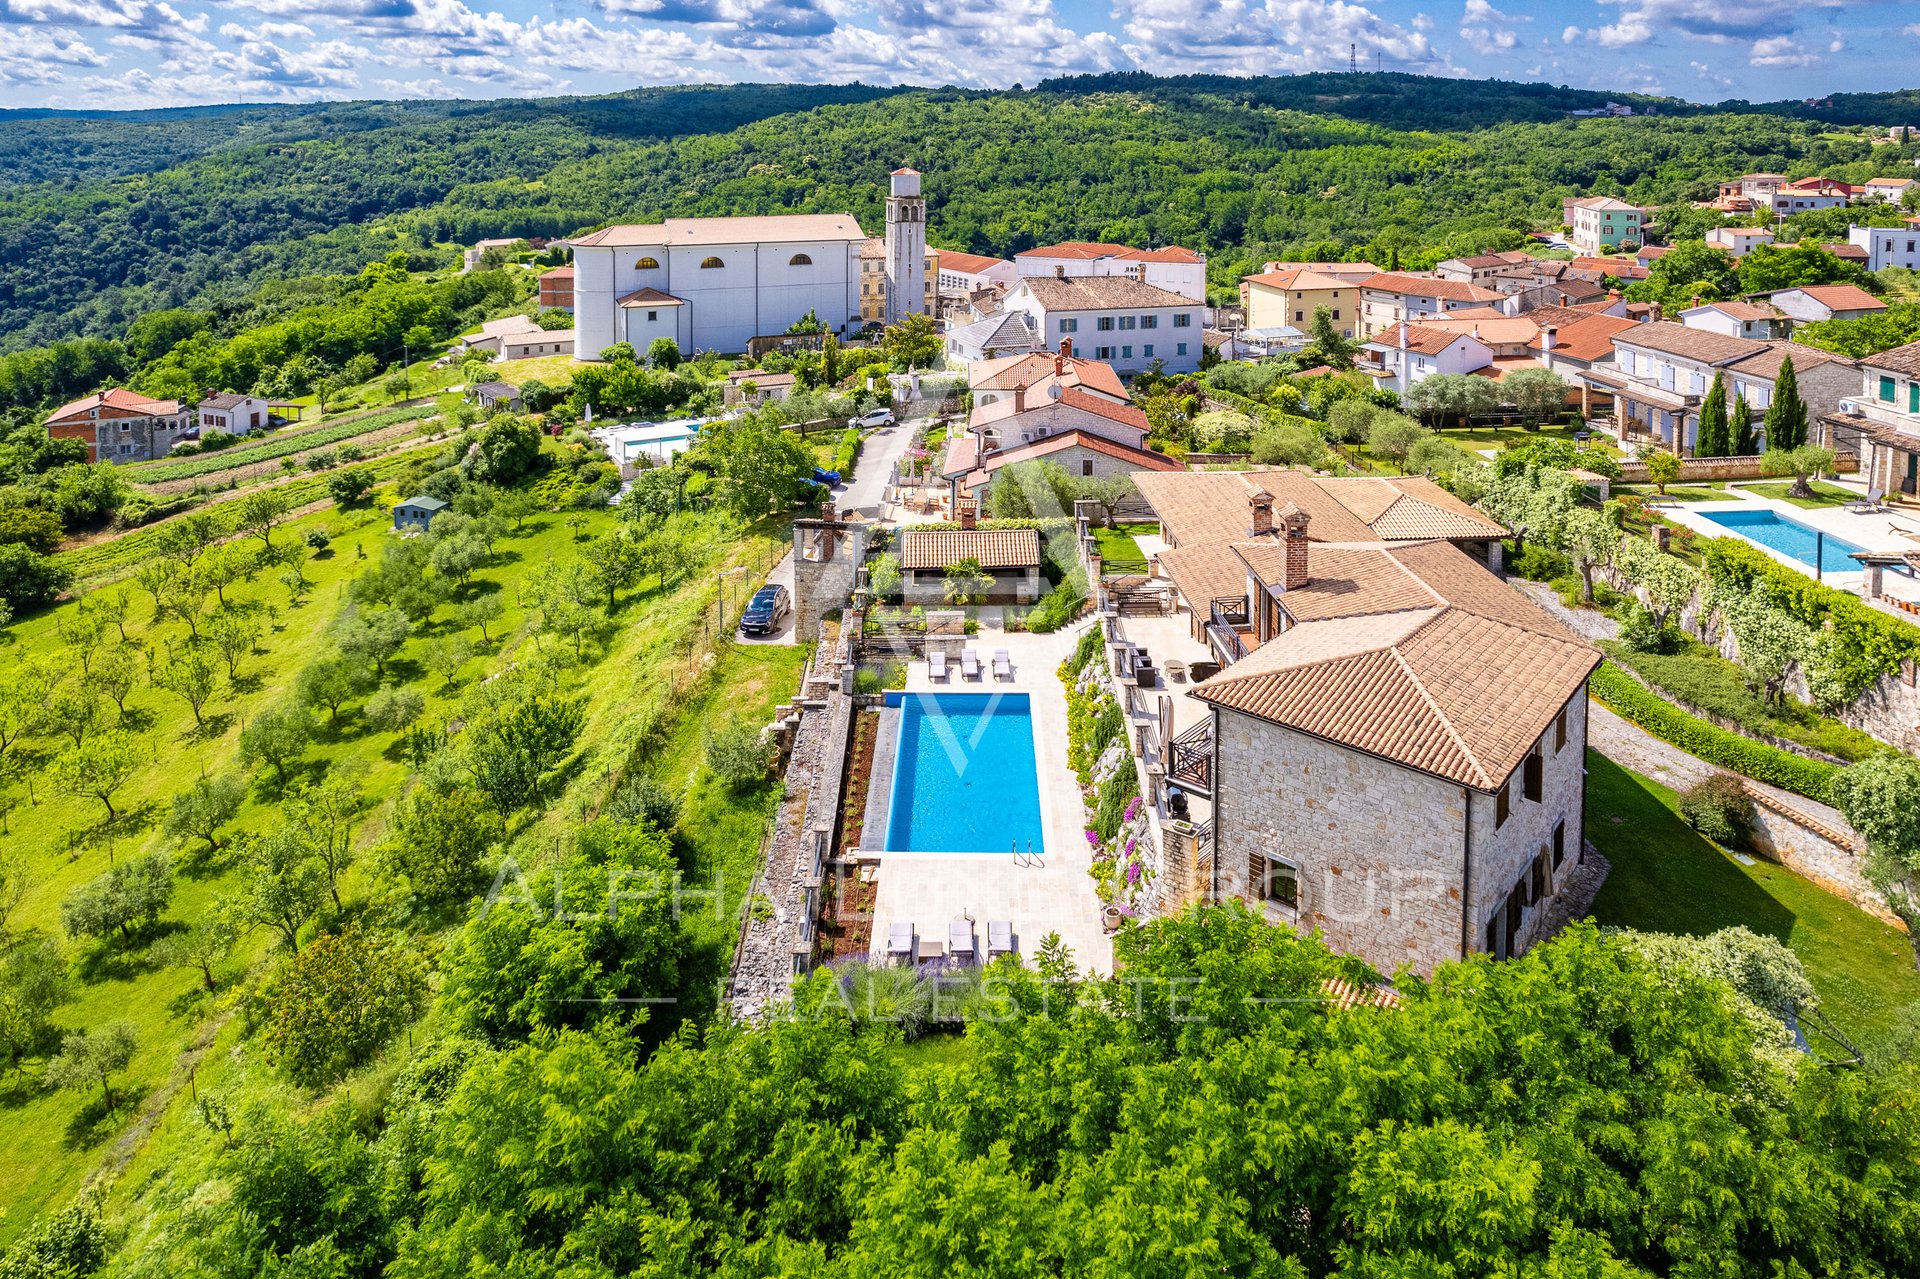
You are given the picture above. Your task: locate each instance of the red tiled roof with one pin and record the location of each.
(120, 398)
(1067, 439)
(1843, 297)
(558, 273)
(649, 296)
(1427, 286)
(1588, 338)
(1035, 367)
(967, 263)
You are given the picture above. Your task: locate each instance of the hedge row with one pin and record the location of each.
(1264, 414)
(1629, 699)
(848, 452)
(279, 446)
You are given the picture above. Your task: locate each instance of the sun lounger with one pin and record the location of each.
(1869, 505)
(999, 938)
(937, 667)
(960, 939)
(900, 942)
(969, 664)
(1002, 664)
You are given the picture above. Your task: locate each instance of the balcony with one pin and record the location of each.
(1228, 623)
(1190, 759)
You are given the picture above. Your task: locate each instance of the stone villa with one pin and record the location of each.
(1395, 743)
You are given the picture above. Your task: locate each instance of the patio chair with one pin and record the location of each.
(900, 942)
(937, 667)
(960, 939)
(969, 664)
(999, 938)
(1872, 504)
(1002, 664)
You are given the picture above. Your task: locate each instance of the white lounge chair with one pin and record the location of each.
(937, 667)
(999, 938)
(1872, 504)
(960, 939)
(900, 942)
(1002, 664)
(969, 664)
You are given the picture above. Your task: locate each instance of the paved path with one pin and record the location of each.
(782, 575)
(1588, 623)
(867, 486)
(1633, 747)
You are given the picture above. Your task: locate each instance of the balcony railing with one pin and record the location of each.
(1226, 616)
(1190, 760)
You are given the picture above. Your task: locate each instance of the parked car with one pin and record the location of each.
(769, 605)
(822, 475)
(879, 417)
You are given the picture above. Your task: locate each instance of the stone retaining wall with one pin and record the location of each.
(1696, 470)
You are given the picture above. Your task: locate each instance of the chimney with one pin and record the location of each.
(1546, 337)
(1059, 365)
(1019, 399)
(1696, 300)
(1066, 348)
(826, 511)
(1260, 512)
(969, 512)
(1295, 521)
(1654, 309)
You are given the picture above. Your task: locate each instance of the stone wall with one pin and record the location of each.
(1829, 855)
(827, 555)
(1695, 470)
(776, 935)
(1503, 855)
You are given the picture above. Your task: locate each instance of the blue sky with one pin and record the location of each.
(132, 53)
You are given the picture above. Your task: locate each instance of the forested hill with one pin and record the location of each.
(201, 208)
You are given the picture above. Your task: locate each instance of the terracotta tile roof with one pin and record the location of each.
(1205, 571)
(1342, 581)
(558, 273)
(993, 548)
(1846, 252)
(1742, 311)
(224, 400)
(987, 465)
(1842, 297)
(1495, 329)
(1089, 250)
(1442, 690)
(1099, 293)
(1420, 339)
(648, 296)
(778, 228)
(761, 378)
(1901, 359)
(1172, 253)
(1010, 371)
(1038, 400)
(1296, 278)
(1346, 996)
(967, 263)
(1211, 506)
(1410, 506)
(1622, 267)
(1766, 363)
(961, 452)
(120, 398)
(1587, 337)
(1670, 338)
(1427, 286)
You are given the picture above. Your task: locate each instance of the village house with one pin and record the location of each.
(1886, 190)
(1601, 220)
(765, 386)
(1661, 371)
(519, 337)
(1813, 303)
(1738, 240)
(1481, 268)
(1287, 297)
(992, 381)
(1804, 194)
(556, 289)
(1003, 334)
(1740, 319)
(1571, 341)
(1009, 560)
(120, 426)
(1395, 297)
(1887, 246)
(961, 275)
(1173, 269)
(1118, 319)
(1408, 354)
(233, 413)
(1395, 741)
(1881, 421)
(495, 395)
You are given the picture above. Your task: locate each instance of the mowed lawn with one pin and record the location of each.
(1666, 878)
(1119, 552)
(50, 1142)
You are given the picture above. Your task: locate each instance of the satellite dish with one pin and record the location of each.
(1053, 392)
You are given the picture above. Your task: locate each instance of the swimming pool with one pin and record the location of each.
(1789, 537)
(965, 777)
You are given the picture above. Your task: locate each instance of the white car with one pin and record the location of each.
(879, 417)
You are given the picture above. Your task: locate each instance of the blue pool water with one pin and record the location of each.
(1789, 537)
(965, 778)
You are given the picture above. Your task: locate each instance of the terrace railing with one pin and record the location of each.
(1190, 759)
(1225, 616)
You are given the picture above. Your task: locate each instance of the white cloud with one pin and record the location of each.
(1708, 74)
(1486, 29)
(1264, 37)
(1421, 22)
(1780, 51)
(43, 55)
(1836, 42)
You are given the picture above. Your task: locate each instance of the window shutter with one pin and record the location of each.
(1257, 868)
(1559, 844)
(1500, 806)
(1560, 731)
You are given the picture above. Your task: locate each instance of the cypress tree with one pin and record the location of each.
(1710, 440)
(1741, 427)
(1786, 421)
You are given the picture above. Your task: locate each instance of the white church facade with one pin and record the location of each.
(712, 284)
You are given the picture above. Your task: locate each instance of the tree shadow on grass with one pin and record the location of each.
(118, 958)
(211, 729)
(197, 861)
(95, 1124)
(246, 685)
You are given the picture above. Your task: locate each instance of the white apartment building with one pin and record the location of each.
(1408, 354)
(963, 274)
(1887, 246)
(1116, 319)
(1174, 269)
(1397, 297)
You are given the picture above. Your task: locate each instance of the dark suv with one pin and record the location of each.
(764, 611)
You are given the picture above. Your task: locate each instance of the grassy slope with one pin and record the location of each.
(1666, 878)
(49, 1142)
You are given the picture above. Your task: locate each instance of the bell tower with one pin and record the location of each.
(906, 246)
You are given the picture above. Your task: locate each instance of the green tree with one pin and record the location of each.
(334, 1004)
(332, 682)
(616, 561)
(1333, 347)
(510, 752)
(1538, 394)
(87, 1058)
(1351, 421)
(1713, 436)
(1801, 463)
(913, 343)
(374, 636)
(739, 754)
(1663, 468)
(189, 674)
(201, 949)
(262, 512)
(762, 466)
(33, 982)
(1288, 445)
(664, 353)
(285, 883)
(1689, 269)
(277, 736)
(1393, 436)
(1786, 421)
(480, 612)
(446, 657)
(98, 769)
(324, 815)
(392, 708)
(28, 580)
(439, 840)
(199, 811)
(130, 897)
(1590, 539)
(1740, 427)
(350, 485)
(966, 582)
(457, 558)
(234, 633)
(883, 576)
(1880, 797)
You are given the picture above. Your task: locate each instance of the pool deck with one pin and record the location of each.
(931, 890)
(1869, 532)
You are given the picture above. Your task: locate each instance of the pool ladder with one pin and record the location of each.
(1028, 858)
